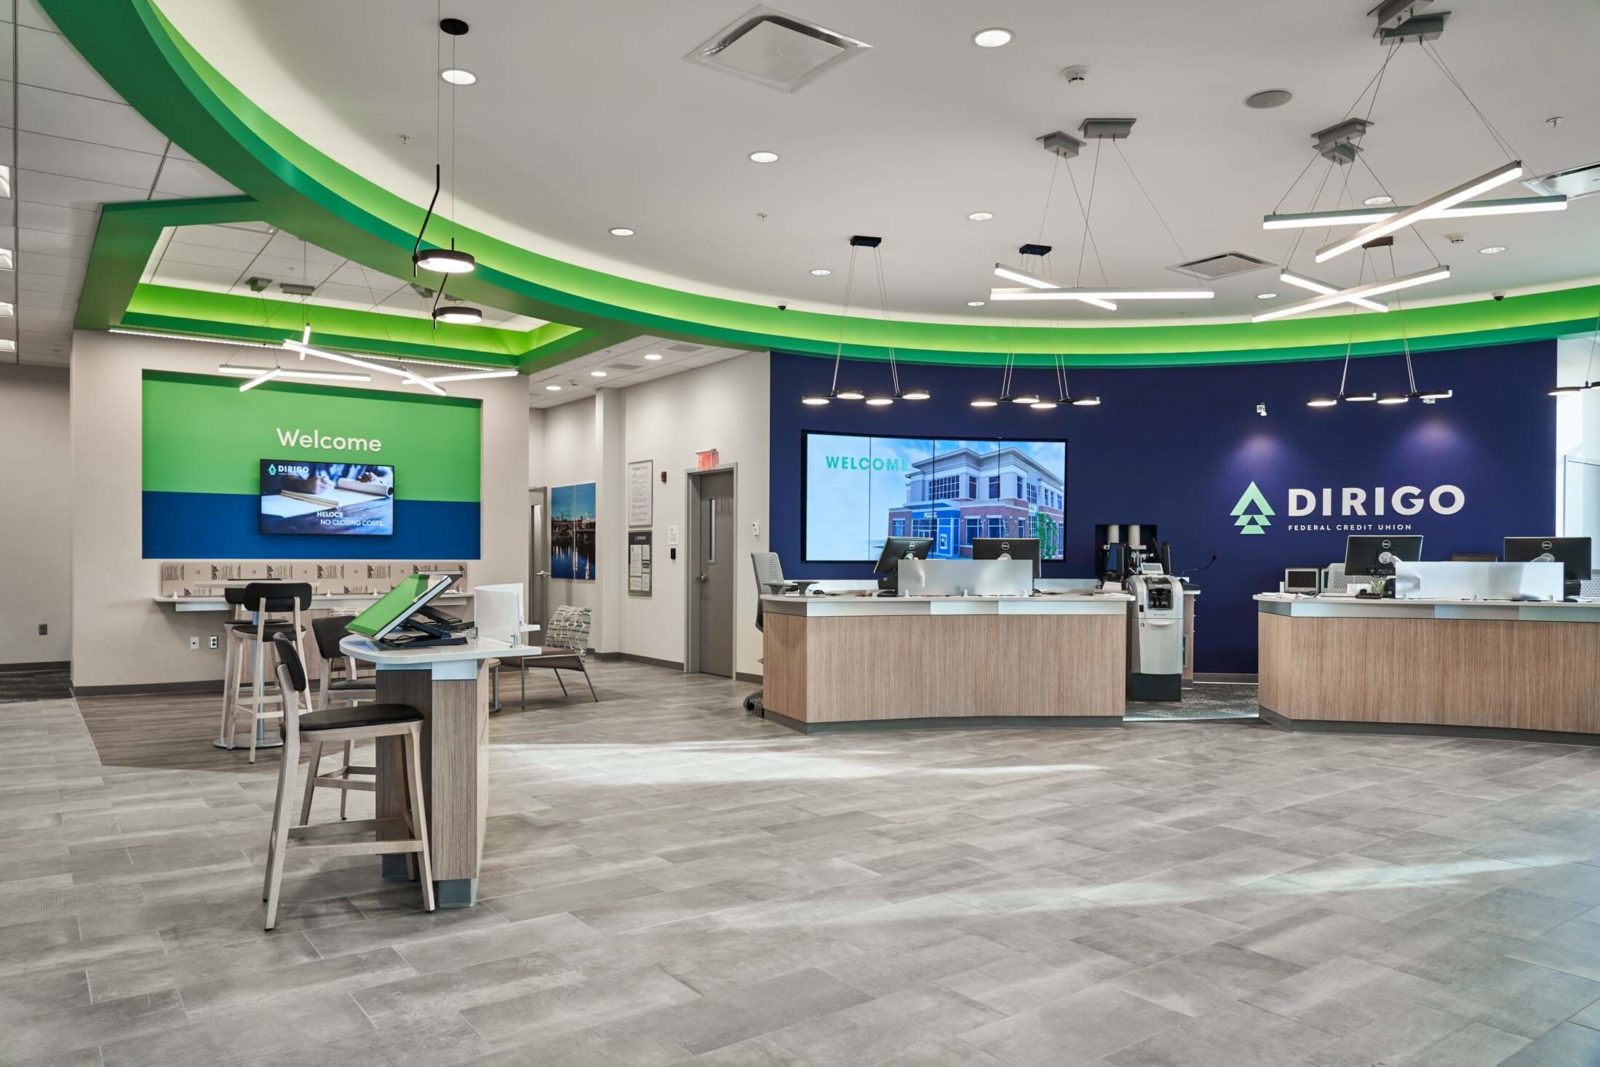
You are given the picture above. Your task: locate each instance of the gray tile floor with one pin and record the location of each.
(671, 882)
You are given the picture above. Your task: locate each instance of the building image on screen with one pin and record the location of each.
(861, 490)
(310, 497)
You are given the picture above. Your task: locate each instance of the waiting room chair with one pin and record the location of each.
(348, 725)
(565, 647)
(276, 608)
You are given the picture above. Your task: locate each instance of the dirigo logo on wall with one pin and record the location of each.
(1252, 514)
(1349, 509)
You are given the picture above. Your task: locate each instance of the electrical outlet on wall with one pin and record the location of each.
(211, 642)
(44, 629)
(194, 644)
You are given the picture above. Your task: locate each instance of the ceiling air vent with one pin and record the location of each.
(1574, 184)
(1225, 265)
(683, 347)
(623, 366)
(774, 49)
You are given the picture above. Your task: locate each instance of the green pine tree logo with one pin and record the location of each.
(1251, 513)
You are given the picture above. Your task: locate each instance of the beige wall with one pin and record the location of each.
(36, 518)
(722, 406)
(121, 636)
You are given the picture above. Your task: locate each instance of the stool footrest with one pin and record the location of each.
(347, 835)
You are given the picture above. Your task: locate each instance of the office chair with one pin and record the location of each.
(769, 579)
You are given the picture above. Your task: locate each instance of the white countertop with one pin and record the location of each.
(475, 649)
(318, 600)
(1336, 607)
(855, 605)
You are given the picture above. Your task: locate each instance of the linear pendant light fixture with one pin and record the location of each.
(1361, 216)
(1301, 281)
(1428, 209)
(1065, 148)
(1346, 296)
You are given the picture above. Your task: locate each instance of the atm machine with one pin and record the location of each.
(1155, 635)
(1128, 558)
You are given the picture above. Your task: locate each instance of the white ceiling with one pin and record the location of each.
(222, 258)
(624, 365)
(79, 145)
(586, 117)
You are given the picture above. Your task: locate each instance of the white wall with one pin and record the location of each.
(36, 516)
(121, 636)
(722, 406)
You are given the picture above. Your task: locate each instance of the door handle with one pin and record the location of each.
(702, 578)
(541, 574)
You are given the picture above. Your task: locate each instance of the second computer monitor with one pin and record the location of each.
(1007, 548)
(1374, 555)
(896, 549)
(1573, 553)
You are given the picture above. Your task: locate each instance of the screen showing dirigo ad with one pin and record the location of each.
(860, 490)
(308, 497)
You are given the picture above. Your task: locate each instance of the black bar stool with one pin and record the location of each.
(405, 833)
(247, 639)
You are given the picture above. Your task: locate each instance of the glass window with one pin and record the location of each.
(974, 529)
(994, 487)
(972, 487)
(1033, 492)
(997, 526)
(897, 528)
(922, 528)
(1018, 478)
(946, 487)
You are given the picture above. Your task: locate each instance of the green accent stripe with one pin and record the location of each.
(306, 193)
(202, 435)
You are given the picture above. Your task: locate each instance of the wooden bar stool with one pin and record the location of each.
(403, 833)
(247, 642)
(352, 688)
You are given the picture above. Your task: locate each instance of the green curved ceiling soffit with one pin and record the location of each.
(302, 191)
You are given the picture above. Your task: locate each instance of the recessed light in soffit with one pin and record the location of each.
(773, 49)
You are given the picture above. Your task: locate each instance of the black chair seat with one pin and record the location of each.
(360, 715)
(352, 685)
(272, 627)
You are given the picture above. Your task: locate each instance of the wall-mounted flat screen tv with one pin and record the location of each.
(860, 490)
(300, 496)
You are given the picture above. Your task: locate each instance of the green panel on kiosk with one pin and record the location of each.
(372, 621)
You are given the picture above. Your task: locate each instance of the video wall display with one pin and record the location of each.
(860, 490)
(572, 525)
(292, 470)
(300, 497)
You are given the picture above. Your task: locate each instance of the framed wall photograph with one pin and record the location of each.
(572, 526)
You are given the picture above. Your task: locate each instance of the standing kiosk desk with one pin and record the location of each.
(449, 685)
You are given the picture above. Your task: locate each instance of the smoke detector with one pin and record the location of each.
(1076, 74)
(773, 49)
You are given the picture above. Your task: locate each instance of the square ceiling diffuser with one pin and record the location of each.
(776, 50)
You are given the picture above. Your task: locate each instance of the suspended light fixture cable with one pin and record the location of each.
(883, 306)
(1094, 177)
(1183, 257)
(1432, 52)
(1405, 340)
(849, 284)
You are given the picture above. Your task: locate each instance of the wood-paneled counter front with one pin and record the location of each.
(1431, 666)
(845, 661)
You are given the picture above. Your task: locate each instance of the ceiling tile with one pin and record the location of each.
(84, 118)
(79, 159)
(61, 189)
(234, 238)
(54, 217)
(57, 244)
(45, 283)
(287, 246)
(43, 263)
(206, 255)
(50, 62)
(177, 273)
(180, 178)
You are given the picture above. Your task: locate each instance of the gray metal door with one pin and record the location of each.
(538, 559)
(714, 572)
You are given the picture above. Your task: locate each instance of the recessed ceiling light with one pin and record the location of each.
(5, 181)
(7, 310)
(1266, 296)
(552, 388)
(1491, 250)
(620, 231)
(1378, 201)
(7, 260)
(980, 216)
(763, 157)
(457, 76)
(993, 37)
(975, 303)
(597, 374)
(1268, 98)
(7, 345)
(820, 272)
(653, 357)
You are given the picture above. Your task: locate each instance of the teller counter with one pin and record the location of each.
(860, 662)
(1497, 668)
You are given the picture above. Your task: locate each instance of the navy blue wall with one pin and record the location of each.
(1179, 447)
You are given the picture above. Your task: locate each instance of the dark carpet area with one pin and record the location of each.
(1201, 700)
(17, 686)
